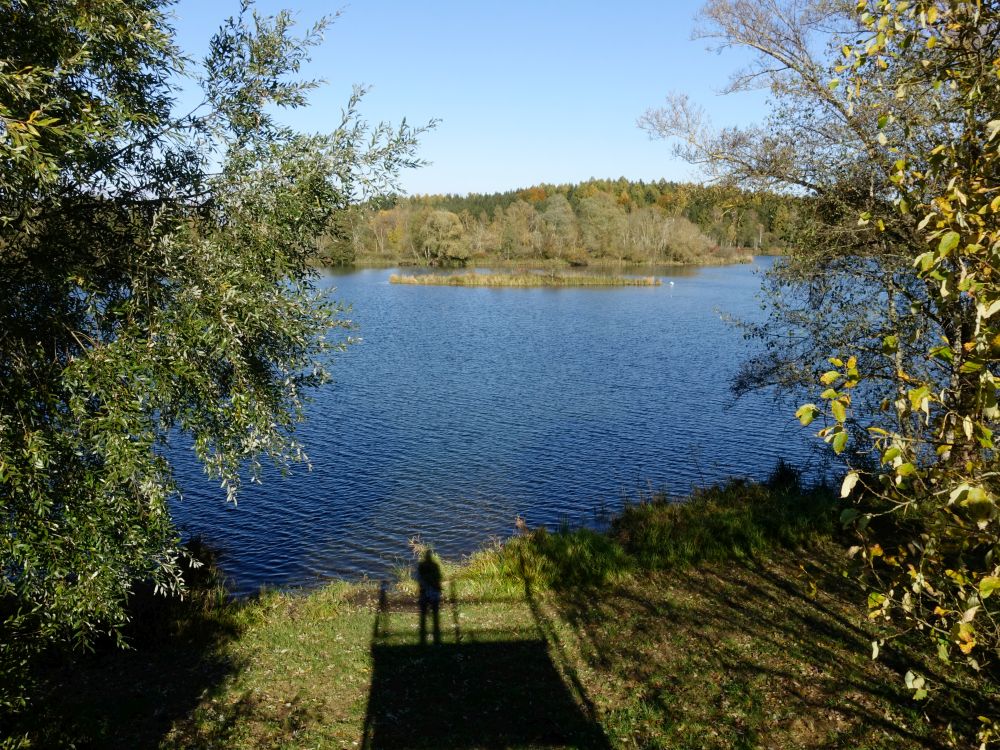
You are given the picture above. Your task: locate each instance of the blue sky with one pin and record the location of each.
(526, 92)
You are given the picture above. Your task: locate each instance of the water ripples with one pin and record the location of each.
(464, 408)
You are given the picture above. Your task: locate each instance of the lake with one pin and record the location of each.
(465, 408)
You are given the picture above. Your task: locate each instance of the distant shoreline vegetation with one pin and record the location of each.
(525, 280)
(594, 224)
(551, 265)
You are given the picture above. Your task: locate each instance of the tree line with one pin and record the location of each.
(593, 222)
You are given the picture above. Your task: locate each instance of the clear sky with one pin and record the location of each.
(526, 92)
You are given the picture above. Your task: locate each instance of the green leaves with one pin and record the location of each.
(154, 278)
(987, 585)
(937, 456)
(839, 441)
(849, 516)
(917, 684)
(829, 377)
(919, 398)
(914, 293)
(838, 411)
(924, 261)
(949, 241)
(807, 413)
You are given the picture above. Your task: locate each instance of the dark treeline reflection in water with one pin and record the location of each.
(463, 408)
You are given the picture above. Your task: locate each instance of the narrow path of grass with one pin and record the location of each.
(634, 639)
(524, 280)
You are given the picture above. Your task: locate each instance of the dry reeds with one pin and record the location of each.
(524, 280)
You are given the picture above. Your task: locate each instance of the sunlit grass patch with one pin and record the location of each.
(735, 521)
(738, 520)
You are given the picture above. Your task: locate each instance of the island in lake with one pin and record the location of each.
(525, 280)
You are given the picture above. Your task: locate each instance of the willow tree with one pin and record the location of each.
(153, 280)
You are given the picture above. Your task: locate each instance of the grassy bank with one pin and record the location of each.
(723, 622)
(525, 280)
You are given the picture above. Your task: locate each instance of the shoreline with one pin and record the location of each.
(539, 264)
(663, 631)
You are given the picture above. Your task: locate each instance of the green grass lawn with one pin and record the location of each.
(552, 640)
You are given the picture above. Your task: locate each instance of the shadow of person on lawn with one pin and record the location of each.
(488, 687)
(429, 580)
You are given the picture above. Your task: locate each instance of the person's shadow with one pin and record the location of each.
(429, 581)
(490, 686)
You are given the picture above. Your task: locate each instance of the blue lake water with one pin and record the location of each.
(464, 408)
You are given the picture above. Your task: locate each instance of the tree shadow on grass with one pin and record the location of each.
(743, 655)
(129, 699)
(492, 688)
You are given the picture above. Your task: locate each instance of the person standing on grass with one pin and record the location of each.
(429, 580)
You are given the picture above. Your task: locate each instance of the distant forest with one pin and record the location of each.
(598, 222)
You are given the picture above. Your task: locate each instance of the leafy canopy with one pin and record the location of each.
(885, 123)
(153, 280)
(943, 476)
